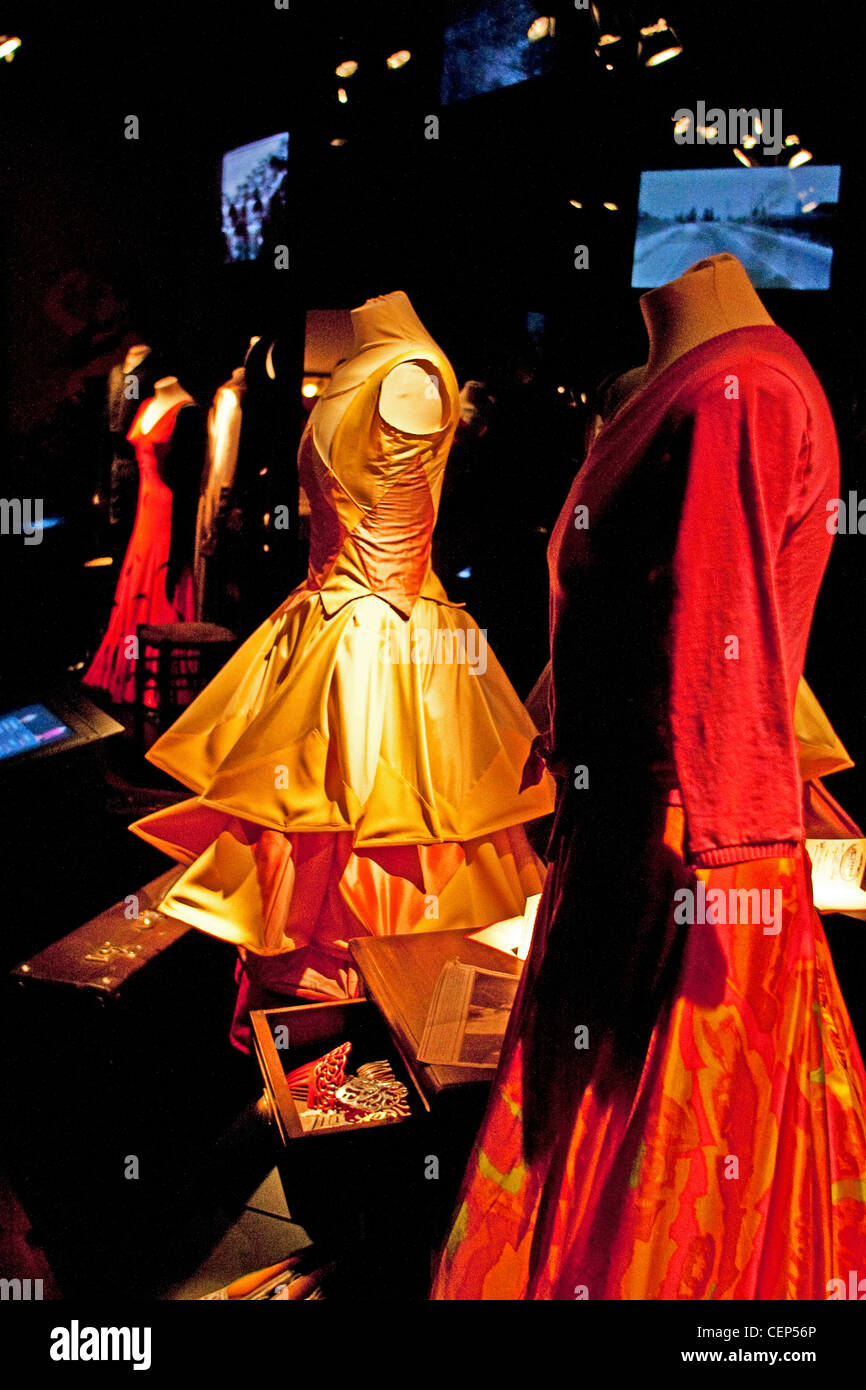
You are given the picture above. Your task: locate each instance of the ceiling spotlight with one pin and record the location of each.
(743, 158)
(707, 132)
(339, 141)
(541, 28)
(575, 203)
(398, 59)
(342, 96)
(801, 157)
(809, 207)
(749, 142)
(682, 125)
(8, 46)
(792, 140)
(346, 69)
(605, 40)
(611, 207)
(658, 43)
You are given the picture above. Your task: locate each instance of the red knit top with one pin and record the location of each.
(684, 570)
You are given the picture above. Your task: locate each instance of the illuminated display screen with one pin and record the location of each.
(780, 222)
(486, 46)
(253, 195)
(32, 726)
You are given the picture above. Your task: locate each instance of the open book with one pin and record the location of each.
(468, 1016)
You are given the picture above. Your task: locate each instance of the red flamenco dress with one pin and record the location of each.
(146, 591)
(680, 1109)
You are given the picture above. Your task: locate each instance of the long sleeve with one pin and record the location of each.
(732, 686)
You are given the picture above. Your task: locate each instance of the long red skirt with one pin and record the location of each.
(731, 1164)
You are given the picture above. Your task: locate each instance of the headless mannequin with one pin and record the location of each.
(167, 392)
(411, 397)
(713, 296)
(135, 356)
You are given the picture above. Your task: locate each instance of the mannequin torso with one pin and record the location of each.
(167, 392)
(712, 297)
(411, 398)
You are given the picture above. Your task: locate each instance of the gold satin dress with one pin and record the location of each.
(356, 765)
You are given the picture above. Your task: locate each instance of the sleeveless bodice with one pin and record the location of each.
(374, 500)
(152, 447)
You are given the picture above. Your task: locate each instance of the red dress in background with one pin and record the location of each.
(141, 595)
(680, 1109)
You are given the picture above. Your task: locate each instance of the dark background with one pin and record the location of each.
(102, 236)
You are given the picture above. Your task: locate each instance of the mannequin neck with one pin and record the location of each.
(135, 356)
(712, 297)
(388, 317)
(168, 390)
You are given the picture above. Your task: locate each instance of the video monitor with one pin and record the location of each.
(487, 45)
(780, 222)
(253, 195)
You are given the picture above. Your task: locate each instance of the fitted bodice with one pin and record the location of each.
(152, 446)
(374, 499)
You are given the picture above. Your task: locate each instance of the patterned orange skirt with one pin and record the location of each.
(730, 1163)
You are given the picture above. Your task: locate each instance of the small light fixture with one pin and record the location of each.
(340, 140)
(809, 207)
(707, 132)
(560, 390)
(310, 389)
(743, 158)
(801, 157)
(8, 47)
(342, 96)
(398, 59)
(347, 68)
(792, 140)
(611, 207)
(574, 203)
(682, 125)
(658, 44)
(749, 142)
(541, 28)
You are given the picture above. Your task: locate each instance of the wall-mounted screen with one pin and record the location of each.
(780, 222)
(487, 45)
(253, 196)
